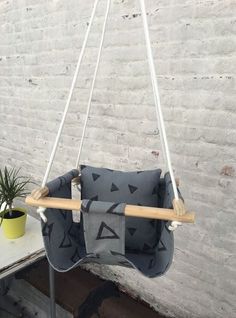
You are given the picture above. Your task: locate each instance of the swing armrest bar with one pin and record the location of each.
(130, 210)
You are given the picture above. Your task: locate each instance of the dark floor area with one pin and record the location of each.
(85, 295)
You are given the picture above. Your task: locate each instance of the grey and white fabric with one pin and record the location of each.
(105, 235)
(104, 230)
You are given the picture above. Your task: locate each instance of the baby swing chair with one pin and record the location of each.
(127, 218)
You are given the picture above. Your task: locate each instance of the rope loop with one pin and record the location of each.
(174, 225)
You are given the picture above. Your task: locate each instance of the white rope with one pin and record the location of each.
(174, 225)
(161, 135)
(55, 146)
(157, 97)
(93, 82)
(40, 210)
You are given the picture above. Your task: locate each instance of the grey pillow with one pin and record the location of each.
(137, 188)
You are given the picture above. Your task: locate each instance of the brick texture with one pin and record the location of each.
(194, 47)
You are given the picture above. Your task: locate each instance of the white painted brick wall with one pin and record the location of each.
(194, 46)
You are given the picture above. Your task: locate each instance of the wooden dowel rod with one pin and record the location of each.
(130, 210)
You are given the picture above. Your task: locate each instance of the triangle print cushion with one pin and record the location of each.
(137, 188)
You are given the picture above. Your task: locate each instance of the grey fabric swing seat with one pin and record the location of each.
(104, 235)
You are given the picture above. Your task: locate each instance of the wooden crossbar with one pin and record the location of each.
(130, 210)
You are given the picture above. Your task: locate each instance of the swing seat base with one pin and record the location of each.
(129, 235)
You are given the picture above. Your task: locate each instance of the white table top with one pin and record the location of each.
(19, 253)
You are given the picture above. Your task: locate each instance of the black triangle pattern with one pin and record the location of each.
(66, 242)
(151, 263)
(159, 229)
(62, 181)
(74, 232)
(95, 176)
(162, 271)
(112, 208)
(76, 256)
(131, 230)
(70, 232)
(155, 190)
(100, 236)
(47, 230)
(146, 247)
(161, 246)
(68, 185)
(63, 214)
(132, 188)
(114, 188)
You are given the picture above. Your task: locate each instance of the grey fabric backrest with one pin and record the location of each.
(137, 188)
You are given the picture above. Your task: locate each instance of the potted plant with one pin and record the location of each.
(12, 186)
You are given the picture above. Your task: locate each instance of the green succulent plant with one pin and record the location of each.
(12, 186)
